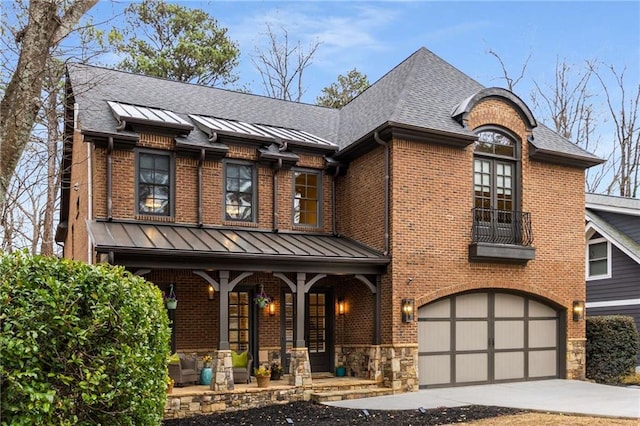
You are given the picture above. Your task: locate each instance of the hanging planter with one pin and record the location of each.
(170, 300)
(262, 299)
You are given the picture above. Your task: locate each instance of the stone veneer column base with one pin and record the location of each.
(222, 371)
(400, 367)
(299, 367)
(576, 353)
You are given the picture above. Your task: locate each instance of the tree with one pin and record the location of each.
(626, 152)
(49, 21)
(347, 87)
(282, 65)
(172, 41)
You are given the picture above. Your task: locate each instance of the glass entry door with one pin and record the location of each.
(239, 321)
(318, 325)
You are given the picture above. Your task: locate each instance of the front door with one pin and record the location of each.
(318, 326)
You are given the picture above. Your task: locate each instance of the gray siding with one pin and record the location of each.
(623, 284)
(627, 224)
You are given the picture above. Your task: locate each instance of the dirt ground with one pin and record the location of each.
(308, 413)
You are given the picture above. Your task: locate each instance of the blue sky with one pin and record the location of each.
(375, 36)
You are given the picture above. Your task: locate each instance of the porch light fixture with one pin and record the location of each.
(341, 308)
(578, 310)
(407, 310)
(211, 292)
(272, 309)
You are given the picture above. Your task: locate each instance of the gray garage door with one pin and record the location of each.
(487, 337)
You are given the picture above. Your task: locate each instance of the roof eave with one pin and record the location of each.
(562, 158)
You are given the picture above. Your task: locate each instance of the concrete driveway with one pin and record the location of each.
(561, 396)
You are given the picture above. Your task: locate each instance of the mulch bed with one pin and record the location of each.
(309, 413)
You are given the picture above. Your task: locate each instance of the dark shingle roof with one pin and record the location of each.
(420, 92)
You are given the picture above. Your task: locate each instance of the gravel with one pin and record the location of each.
(309, 413)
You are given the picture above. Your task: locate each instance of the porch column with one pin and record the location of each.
(300, 314)
(377, 338)
(223, 343)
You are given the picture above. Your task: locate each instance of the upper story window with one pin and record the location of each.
(240, 194)
(154, 177)
(494, 173)
(598, 258)
(306, 198)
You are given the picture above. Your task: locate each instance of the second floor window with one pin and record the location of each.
(239, 195)
(154, 184)
(598, 254)
(306, 199)
(494, 177)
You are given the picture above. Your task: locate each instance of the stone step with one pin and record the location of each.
(340, 395)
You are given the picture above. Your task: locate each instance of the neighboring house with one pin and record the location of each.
(429, 233)
(613, 256)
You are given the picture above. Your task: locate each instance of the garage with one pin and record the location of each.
(488, 337)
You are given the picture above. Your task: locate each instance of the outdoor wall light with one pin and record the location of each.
(211, 292)
(272, 309)
(578, 310)
(341, 308)
(407, 310)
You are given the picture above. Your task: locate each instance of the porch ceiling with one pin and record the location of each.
(155, 245)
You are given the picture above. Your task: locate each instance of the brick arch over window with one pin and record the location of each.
(541, 293)
(461, 112)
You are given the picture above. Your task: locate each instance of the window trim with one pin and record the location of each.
(254, 195)
(319, 219)
(172, 181)
(605, 276)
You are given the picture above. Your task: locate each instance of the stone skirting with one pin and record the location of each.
(576, 352)
(222, 379)
(300, 367)
(395, 366)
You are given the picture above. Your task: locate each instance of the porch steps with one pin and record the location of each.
(343, 394)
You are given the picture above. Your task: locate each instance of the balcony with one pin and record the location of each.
(501, 236)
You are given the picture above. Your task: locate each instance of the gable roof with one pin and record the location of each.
(421, 93)
(601, 212)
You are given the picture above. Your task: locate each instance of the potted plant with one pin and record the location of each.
(170, 300)
(206, 374)
(276, 371)
(170, 383)
(263, 376)
(262, 299)
(341, 371)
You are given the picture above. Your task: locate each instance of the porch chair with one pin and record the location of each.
(184, 371)
(241, 363)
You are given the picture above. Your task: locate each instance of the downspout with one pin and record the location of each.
(334, 230)
(277, 167)
(109, 179)
(282, 146)
(200, 163)
(387, 166)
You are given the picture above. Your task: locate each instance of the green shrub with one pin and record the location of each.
(80, 344)
(612, 347)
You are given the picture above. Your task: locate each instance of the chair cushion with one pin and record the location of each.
(173, 359)
(188, 362)
(239, 360)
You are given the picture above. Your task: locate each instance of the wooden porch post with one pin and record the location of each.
(300, 314)
(223, 344)
(377, 338)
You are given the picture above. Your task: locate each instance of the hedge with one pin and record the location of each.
(612, 347)
(80, 344)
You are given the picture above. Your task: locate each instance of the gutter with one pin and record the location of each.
(282, 146)
(387, 166)
(109, 179)
(200, 163)
(334, 208)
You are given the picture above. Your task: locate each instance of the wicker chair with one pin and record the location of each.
(186, 371)
(243, 374)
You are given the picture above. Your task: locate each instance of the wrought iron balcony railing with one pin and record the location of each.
(501, 227)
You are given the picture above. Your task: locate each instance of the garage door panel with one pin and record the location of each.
(538, 310)
(509, 305)
(542, 333)
(509, 334)
(543, 363)
(435, 369)
(472, 368)
(439, 309)
(434, 336)
(471, 335)
(473, 305)
(509, 365)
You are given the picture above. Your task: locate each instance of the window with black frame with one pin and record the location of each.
(239, 197)
(494, 185)
(306, 198)
(154, 184)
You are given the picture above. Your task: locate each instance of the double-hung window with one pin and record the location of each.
(154, 183)
(598, 259)
(240, 194)
(306, 198)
